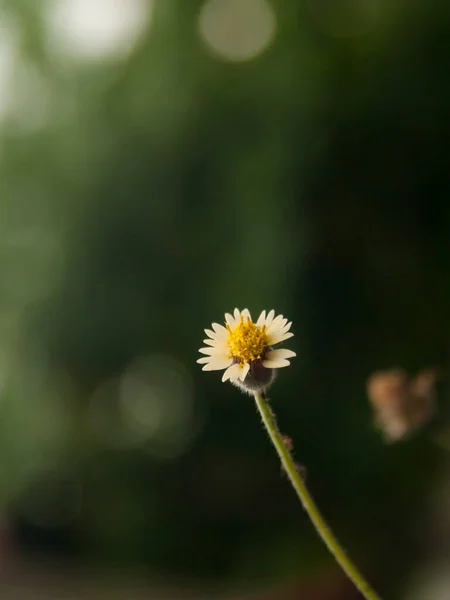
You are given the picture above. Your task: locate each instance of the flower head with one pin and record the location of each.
(244, 348)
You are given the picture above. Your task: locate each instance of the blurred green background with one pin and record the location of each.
(162, 162)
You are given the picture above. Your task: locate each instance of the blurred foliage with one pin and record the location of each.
(145, 194)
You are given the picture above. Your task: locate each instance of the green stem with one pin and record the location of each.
(308, 503)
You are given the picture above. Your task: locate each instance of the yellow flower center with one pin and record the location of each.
(246, 341)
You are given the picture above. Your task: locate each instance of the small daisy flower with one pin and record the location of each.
(244, 349)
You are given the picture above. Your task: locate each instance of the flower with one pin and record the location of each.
(244, 348)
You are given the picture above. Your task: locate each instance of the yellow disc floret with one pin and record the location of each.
(246, 341)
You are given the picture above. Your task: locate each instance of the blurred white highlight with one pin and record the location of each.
(96, 29)
(150, 405)
(157, 403)
(9, 57)
(24, 93)
(237, 30)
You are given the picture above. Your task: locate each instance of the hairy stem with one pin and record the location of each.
(308, 503)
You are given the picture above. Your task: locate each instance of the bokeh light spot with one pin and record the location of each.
(157, 403)
(150, 404)
(99, 29)
(9, 56)
(237, 30)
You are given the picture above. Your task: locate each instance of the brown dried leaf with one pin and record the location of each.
(402, 404)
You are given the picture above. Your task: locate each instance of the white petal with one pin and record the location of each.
(276, 364)
(244, 371)
(226, 375)
(278, 331)
(214, 351)
(217, 344)
(204, 359)
(206, 350)
(269, 318)
(278, 322)
(278, 318)
(287, 326)
(246, 314)
(276, 338)
(220, 330)
(276, 325)
(237, 315)
(210, 334)
(232, 372)
(281, 353)
(230, 320)
(261, 319)
(217, 364)
(236, 373)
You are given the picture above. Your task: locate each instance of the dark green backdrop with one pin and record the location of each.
(165, 188)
